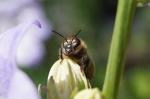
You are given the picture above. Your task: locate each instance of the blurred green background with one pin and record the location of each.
(96, 19)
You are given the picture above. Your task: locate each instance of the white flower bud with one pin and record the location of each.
(89, 94)
(64, 77)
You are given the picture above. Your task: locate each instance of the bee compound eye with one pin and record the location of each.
(74, 44)
(65, 43)
(74, 40)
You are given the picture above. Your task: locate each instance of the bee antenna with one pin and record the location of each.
(78, 32)
(58, 34)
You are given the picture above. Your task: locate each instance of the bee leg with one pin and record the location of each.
(86, 66)
(60, 55)
(82, 63)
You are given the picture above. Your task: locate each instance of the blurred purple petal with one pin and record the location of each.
(36, 22)
(12, 5)
(31, 50)
(22, 87)
(32, 13)
(9, 42)
(27, 54)
(17, 11)
(10, 39)
(6, 72)
(22, 11)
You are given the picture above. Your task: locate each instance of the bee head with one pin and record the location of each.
(70, 44)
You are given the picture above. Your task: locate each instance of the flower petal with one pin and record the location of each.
(24, 11)
(67, 76)
(89, 94)
(8, 45)
(34, 12)
(6, 72)
(10, 39)
(27, 55)
(22, 87)
(4, 9)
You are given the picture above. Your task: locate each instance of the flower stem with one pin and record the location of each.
(121, 35)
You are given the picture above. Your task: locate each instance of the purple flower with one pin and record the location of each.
(14, 84)
(31, 50)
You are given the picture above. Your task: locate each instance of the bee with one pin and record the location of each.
(75, 49)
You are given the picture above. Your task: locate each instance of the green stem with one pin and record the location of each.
(121, 35)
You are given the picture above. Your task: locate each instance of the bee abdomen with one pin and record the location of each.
(89, 70)
(88, 66)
